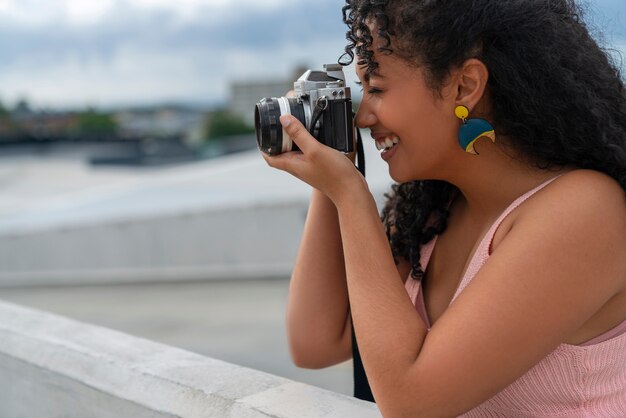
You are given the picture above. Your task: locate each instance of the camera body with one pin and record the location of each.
(322, 103)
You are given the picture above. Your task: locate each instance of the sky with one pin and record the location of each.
(103, 53)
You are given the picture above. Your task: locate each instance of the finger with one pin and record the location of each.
(284, 161)
(298, 133)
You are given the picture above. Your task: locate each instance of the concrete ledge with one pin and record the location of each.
(53, 366)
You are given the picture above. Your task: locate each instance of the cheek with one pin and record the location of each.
(420, 111)
(425, 147)
(428, 132)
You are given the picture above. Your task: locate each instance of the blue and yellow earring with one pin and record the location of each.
(472, 129)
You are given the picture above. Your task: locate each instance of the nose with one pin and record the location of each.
(364, 118)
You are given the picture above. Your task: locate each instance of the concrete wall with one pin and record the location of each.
(55, 367)
(220, 243)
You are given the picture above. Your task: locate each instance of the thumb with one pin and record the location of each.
(297, 132)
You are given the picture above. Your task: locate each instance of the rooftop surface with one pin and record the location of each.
(55, 190)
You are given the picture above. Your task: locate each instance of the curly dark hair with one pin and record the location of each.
(555, 92)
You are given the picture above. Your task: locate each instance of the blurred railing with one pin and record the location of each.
(56, 367)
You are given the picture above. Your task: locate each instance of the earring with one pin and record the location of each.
(472, 129)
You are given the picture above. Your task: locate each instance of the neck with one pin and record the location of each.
(491, 181)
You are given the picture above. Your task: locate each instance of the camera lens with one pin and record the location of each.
(269, 131)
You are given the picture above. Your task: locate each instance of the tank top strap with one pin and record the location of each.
(414, 287)
(483, 251)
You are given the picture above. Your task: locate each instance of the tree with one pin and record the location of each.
(91, 123)
(223, 124)
(22, 106)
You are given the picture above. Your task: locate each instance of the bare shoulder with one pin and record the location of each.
(583, 198)
(591, 185)
(583, 210)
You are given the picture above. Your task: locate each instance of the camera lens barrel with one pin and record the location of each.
(271, 138)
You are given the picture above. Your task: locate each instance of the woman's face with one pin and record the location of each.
(398, 107)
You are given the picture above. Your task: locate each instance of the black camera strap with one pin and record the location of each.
(360, 153)
(362, 388)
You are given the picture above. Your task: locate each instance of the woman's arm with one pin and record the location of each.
(317, 311)
(318, 323)
(551, 272)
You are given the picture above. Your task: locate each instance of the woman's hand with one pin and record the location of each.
(318, 165)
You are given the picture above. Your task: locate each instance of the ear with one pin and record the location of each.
(471, 83)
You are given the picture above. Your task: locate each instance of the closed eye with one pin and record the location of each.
(370, 90)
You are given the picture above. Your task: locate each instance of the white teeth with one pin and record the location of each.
(387, 143)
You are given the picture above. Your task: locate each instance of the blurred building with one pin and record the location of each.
(28, 125)
(245, 94)
(9, 131)
(163, 122)
(151, 136)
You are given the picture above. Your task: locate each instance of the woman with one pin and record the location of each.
(496, 283)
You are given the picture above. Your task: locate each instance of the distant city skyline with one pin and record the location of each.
(74, 53)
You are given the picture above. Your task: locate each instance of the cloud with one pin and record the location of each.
(142, 50)
(80, 12)
(77, 52)
(157, 29)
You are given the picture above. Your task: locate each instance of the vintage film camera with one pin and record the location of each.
(322, 103)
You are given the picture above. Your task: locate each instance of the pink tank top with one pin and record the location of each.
(587, 380)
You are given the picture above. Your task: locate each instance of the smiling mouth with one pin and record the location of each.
(386, 143)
